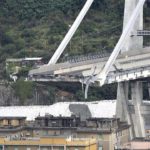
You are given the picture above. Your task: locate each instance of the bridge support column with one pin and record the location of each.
(137, 98)
(122, 109)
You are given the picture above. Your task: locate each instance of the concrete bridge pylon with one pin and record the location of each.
(133, 43)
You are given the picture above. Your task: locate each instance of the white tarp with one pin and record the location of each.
(98, 109)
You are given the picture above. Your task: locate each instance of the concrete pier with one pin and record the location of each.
(132, 111)
(137, 99)
(122, 108)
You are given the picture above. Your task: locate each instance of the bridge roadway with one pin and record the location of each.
(127, 67)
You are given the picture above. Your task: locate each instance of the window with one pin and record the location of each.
(45, 148)
(100, 147)
(58, 148)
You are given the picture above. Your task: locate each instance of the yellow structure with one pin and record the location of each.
(12, 121)
(48, 143)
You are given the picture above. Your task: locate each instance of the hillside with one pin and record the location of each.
(30, 28)
(35, 27)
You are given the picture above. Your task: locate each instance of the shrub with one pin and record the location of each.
(23, 90)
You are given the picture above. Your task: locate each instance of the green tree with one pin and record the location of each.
(24, 90)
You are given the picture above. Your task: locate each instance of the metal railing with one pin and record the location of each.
(143, 32)
(90, 56)
(140, 33)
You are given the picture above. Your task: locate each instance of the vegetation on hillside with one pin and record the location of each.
(31, 28)
(35, 27)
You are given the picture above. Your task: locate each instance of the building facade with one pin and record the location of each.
(106, 132)
(48, 143)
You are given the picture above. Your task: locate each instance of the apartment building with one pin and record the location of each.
(94, 120)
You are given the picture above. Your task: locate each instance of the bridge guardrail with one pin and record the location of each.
(90, 56)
